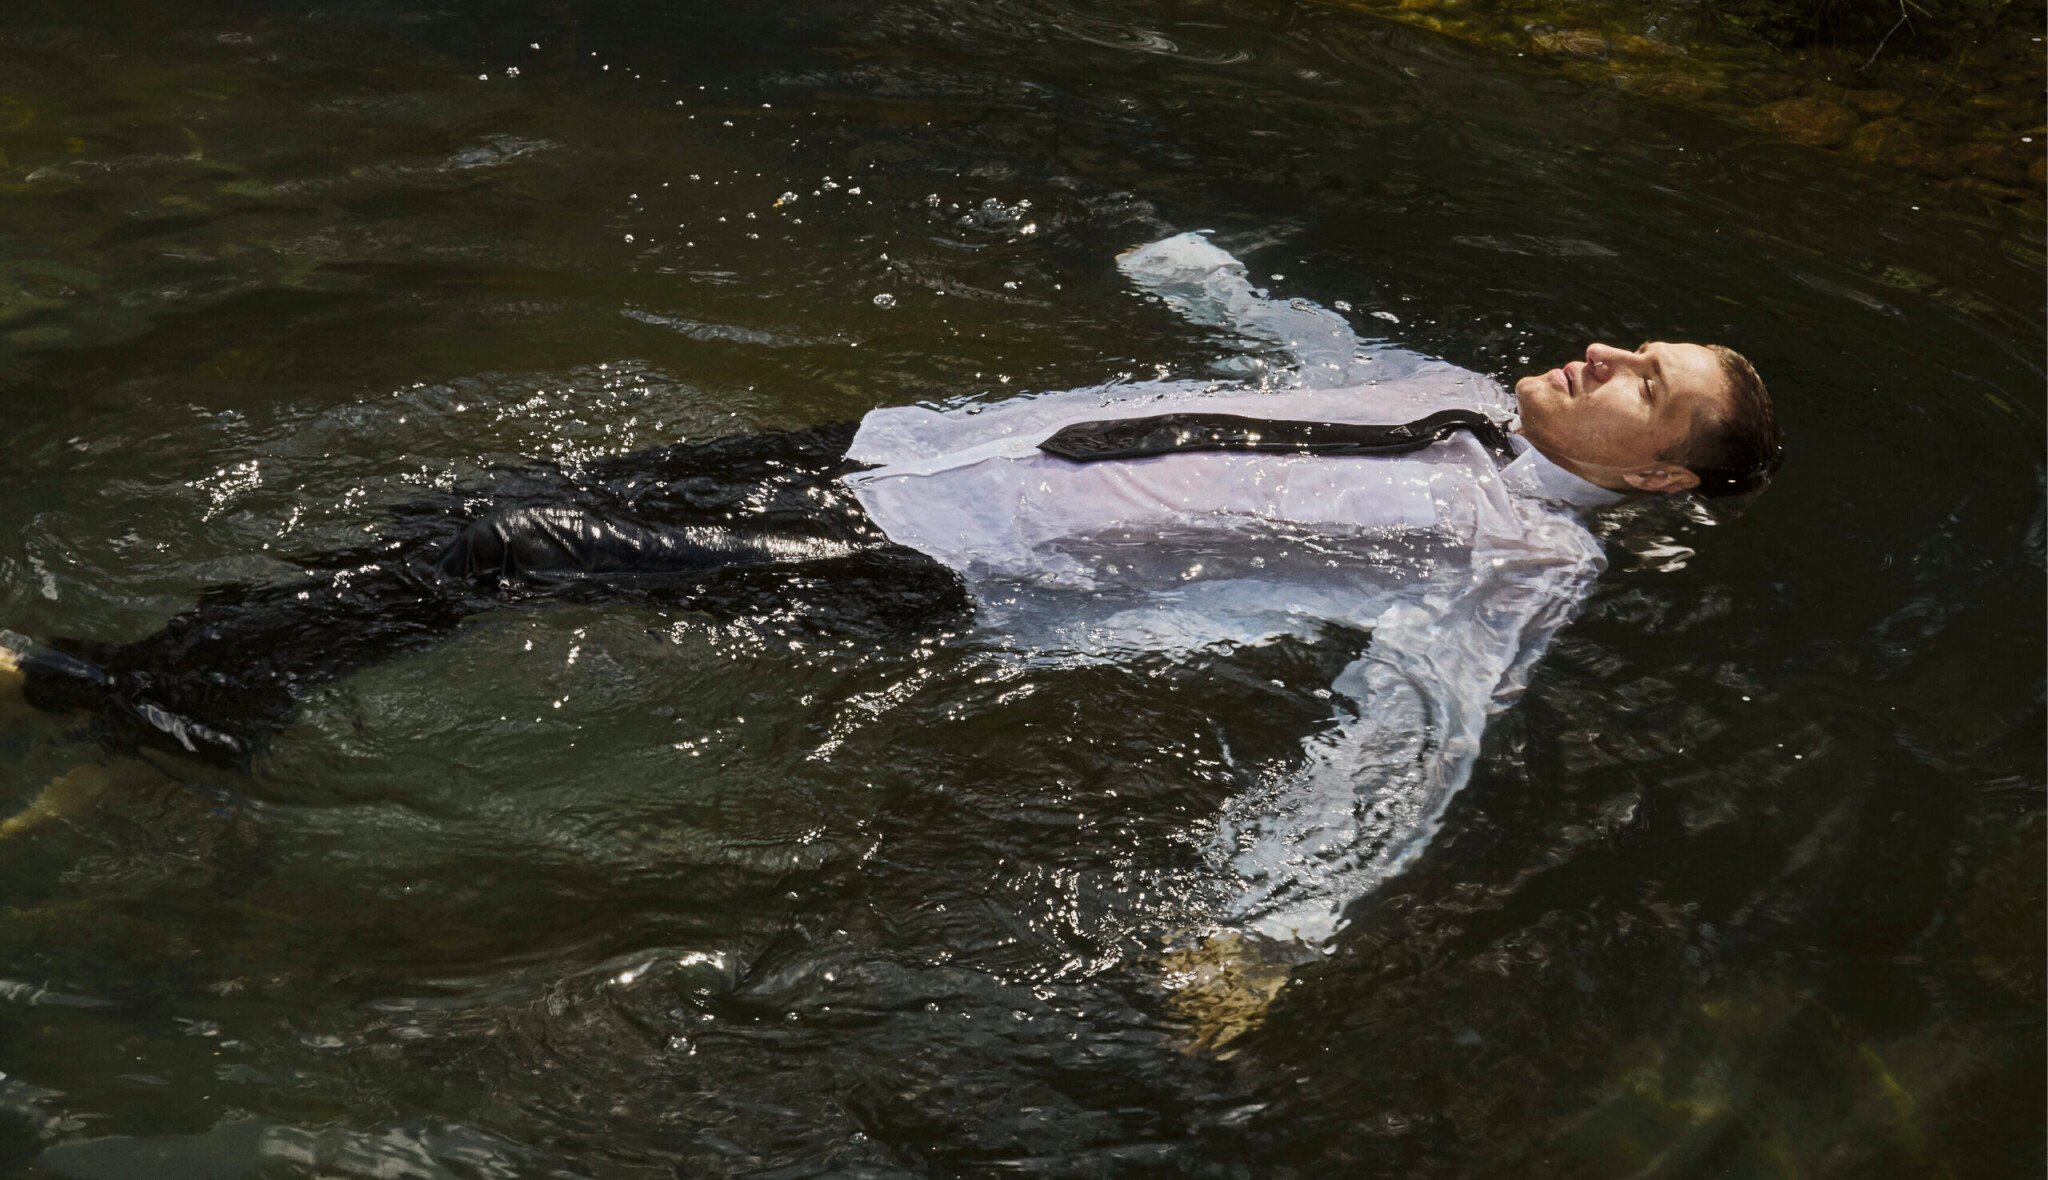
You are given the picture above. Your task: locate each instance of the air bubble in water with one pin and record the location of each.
(885, 300)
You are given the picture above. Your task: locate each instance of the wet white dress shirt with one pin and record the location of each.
(1460, 568)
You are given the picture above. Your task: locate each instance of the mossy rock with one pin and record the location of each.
(1801, 73)
(2000, 162)
(1571, 43)
(1875, 102)
(1895, 140)
(1815, 122)
(1631, 45)
(1667, 86)
(1767, 85)
(1221, 985)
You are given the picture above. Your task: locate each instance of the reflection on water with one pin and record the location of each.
(1749, 882)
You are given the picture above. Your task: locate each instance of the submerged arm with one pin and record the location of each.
(1371, 791)
(1203, 282)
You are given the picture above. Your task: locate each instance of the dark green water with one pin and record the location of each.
(1749, 884)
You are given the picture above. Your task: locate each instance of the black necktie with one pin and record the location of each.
(1163, 434)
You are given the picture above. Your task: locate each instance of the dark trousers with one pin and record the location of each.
(737, 527)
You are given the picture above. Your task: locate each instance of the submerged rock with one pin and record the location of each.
(1926, 98)
(1998, 161)
(1635, 46)
(1875, 102)
(1815, 122)
(1667, 86)
(1895, 140)
(1583, 43)
(1221, 984)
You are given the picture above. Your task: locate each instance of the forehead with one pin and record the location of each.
(1691, 372)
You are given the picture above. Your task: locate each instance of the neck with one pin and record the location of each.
(1610, 478)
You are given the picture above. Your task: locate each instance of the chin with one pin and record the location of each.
(1533, 395)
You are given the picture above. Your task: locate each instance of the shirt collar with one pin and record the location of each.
(1533, 473)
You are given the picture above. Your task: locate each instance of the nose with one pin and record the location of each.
(1597, 352)
(1605, 358)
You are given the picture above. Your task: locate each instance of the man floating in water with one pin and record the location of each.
(1357, 487)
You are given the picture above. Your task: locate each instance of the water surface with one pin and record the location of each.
(1748, 884)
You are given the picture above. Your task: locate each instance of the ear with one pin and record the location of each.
(1662, 478)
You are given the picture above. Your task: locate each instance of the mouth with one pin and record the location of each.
(1563, 377)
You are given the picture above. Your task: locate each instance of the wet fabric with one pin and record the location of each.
(1458, 568)
(728, 527)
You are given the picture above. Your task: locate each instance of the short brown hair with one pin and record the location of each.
(1739, 449)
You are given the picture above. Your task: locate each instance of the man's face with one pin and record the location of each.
(1610, 417)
